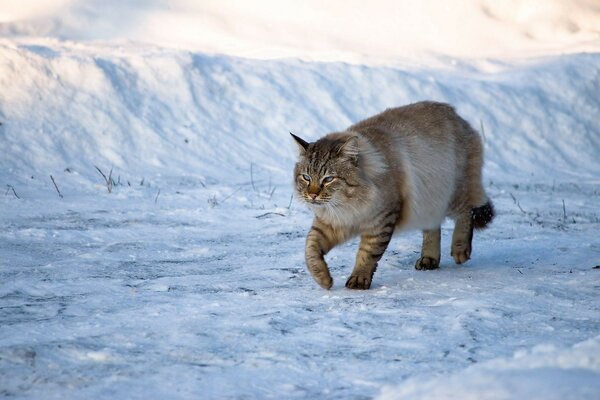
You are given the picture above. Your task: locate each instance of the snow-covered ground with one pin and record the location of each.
(187, 280)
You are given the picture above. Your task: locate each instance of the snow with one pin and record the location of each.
(374, 32)
(187, 279)
(544, 372)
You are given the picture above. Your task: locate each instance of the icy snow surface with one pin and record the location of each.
(187, 280)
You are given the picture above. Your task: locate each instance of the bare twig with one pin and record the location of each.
(56, 187)
(10, 187)
(101, 173)
(564, 211)
(269, 189)
(156, 198)
(268, 192)
(291, 198)
(517, 203)
(270, 213)
(111, 181)
(482, 131)
(212, 201)
(252, 176)
(108, 180)
(142, 182)
(230, 195)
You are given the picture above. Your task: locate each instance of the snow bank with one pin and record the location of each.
(383, 31)
(150, 111)
(544, 373)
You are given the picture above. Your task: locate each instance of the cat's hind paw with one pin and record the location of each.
(461, 254)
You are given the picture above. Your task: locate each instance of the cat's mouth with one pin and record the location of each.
(315, 201)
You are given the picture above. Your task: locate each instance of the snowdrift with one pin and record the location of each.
(150, 111)
(545, 372)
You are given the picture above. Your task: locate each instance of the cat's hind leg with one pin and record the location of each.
(462, 238)
(430, 251)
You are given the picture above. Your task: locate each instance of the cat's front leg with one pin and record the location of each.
(372, 246)
(321, 238)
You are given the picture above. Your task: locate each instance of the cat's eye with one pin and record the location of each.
(306, 177)
(328, 179)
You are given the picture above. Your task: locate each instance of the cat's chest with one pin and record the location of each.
(349, 217)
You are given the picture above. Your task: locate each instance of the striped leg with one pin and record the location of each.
(372, 247)
(321, 238)
(430, 252)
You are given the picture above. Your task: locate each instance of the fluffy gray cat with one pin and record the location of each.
(406, 168)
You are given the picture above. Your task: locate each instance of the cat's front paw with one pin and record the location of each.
(427, 263)
(319, 271)
(358, 281)
(326, 282)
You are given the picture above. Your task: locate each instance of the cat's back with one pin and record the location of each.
(427, 146)
(424, 119)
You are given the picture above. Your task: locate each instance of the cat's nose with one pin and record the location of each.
(313, 195)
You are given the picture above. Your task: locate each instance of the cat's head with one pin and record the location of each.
(327, 172)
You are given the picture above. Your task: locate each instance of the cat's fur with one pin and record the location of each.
(406, 168)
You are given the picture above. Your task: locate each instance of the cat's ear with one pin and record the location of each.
(302, 144)
(350, 148)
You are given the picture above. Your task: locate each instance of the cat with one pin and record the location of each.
(407, 168)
